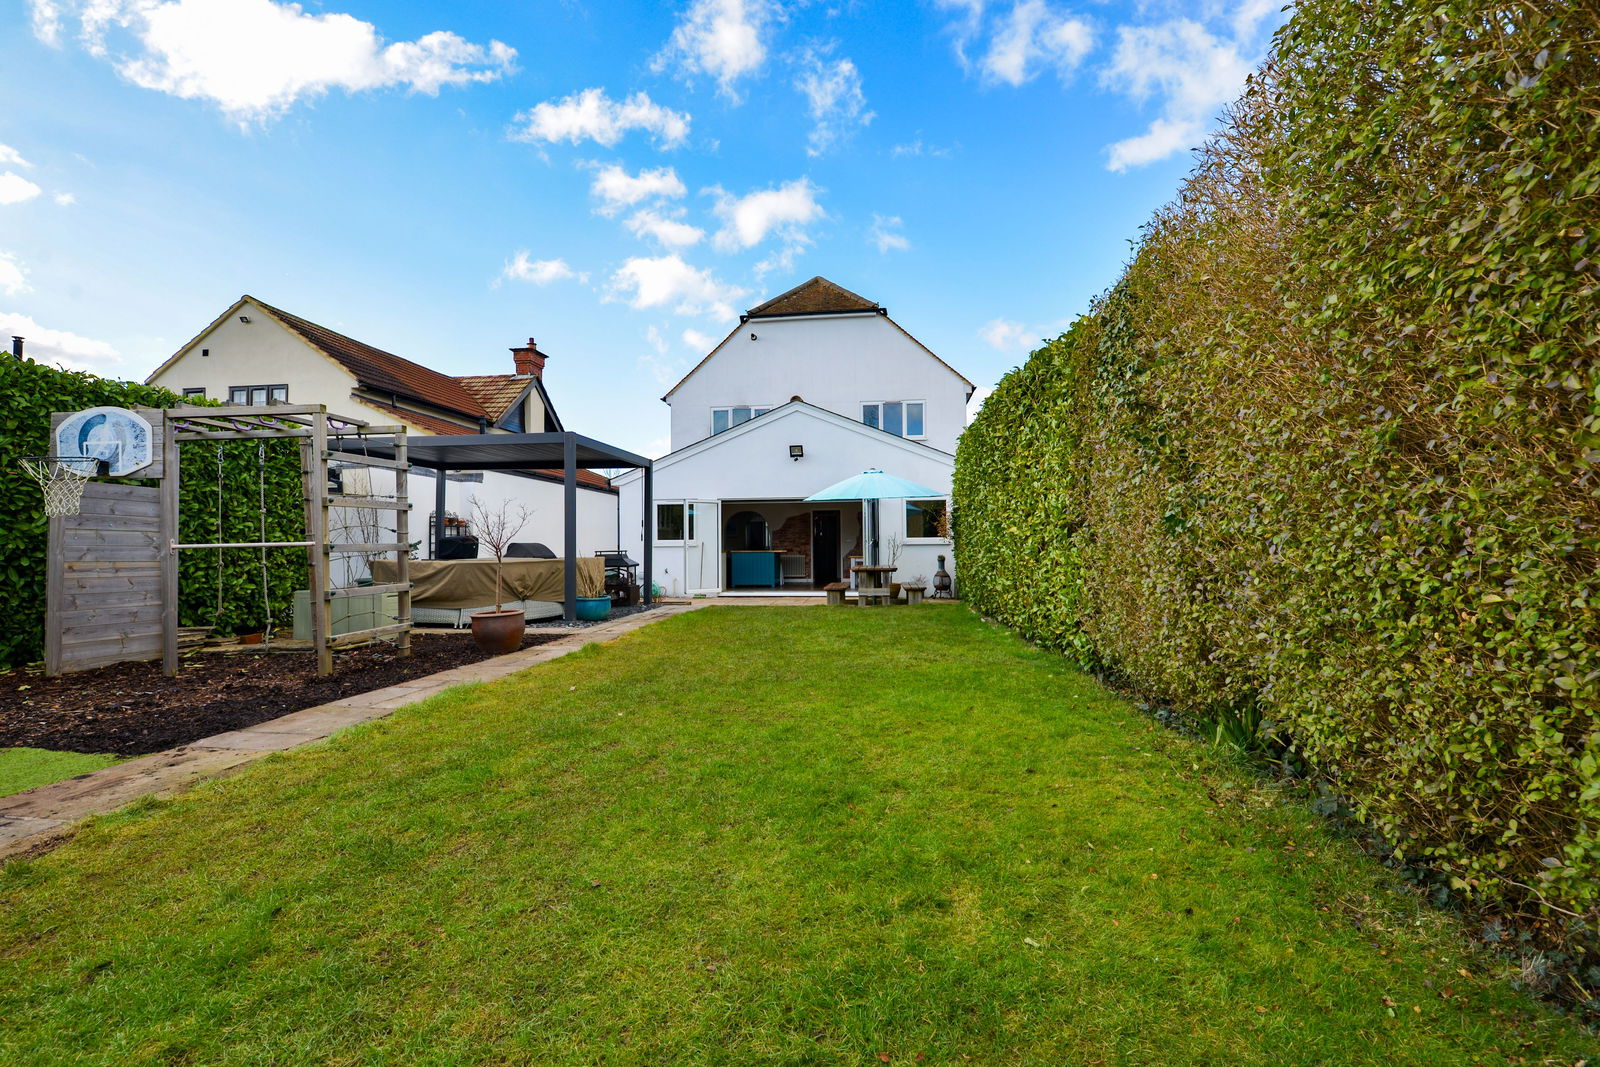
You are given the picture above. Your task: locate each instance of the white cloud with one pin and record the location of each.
(617, 189)
(539, 271)
(918, 148)
(670, 231)
(593, 115)
(10, 156)
(1032, 36)
(885, 234)
(1005, 335)
(723, 39)
(1019, 42)
(832, 88)
(13, 276)
(255, 59)
(667, 281)
(64, 199)
(700, 342)
(1193, 72)
(57, 347)
(14, 188)
(748, 220)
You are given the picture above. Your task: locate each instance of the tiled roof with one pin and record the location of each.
(496, 392)
(431, 423)
(440, 426)
(382, 371)
(818, 296)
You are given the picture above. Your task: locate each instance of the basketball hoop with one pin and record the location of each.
(62, 478)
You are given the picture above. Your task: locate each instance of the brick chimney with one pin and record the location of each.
(529, 360)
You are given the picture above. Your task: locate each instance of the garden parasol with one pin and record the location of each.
(872, 485)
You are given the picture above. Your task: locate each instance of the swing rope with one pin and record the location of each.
(216, 617)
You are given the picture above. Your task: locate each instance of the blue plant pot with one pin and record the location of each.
(593, 608)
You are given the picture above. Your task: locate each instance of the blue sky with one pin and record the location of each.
(618, 180)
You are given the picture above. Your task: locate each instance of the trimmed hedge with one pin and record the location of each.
(32, 391)
(1327, 450)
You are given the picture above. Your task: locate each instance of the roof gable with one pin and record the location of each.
(498, 393)
(793, 409)
(818, 296)
(381, 371)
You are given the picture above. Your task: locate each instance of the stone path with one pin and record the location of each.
(40, 818)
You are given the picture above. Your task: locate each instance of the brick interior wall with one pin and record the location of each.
(794, 536)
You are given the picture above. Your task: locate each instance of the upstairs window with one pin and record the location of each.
(257, 395)
(198, 391)
(903, 418)
(727, 418)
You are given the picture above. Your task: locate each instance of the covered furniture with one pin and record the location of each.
(562, 451)
(447, 592)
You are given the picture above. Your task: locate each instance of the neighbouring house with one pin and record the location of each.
(256, 354)
(813, 386)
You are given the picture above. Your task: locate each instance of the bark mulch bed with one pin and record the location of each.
(130, 709)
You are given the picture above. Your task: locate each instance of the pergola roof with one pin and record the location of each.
(498, 451)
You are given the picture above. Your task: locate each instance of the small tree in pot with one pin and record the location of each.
(497, 525)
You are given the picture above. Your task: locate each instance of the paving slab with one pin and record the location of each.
(30, 819)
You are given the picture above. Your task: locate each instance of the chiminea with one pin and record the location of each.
(942, 586)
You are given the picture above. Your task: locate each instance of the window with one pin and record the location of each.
(726, 418)
(903, 418)
(926, 518)
(258, 394)
(195, 392)
(669, 522)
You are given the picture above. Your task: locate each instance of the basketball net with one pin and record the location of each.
(61, 480)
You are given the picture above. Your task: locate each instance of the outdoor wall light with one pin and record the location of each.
(752, 337)
(797, 451)
(244, 319)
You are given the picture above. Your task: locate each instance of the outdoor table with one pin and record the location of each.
(878, 589)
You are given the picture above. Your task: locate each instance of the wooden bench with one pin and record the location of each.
(836, 591)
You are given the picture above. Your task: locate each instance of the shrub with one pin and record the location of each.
(32, 392)
(1327, 449)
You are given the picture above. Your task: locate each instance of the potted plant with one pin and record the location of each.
(891, 551)
(498, 631)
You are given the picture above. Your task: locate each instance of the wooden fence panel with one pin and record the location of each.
(103, 589)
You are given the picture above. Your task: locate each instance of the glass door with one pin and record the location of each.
(702, 547)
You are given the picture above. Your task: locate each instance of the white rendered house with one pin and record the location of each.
(813, 386)
(254, 353)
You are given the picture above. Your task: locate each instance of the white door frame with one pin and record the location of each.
(702, 554)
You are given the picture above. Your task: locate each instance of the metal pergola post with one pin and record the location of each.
(648, 510)
(569, 494)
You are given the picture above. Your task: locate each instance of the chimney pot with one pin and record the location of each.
(530, 361)
(16, 346)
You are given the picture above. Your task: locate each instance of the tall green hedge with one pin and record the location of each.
(31, 391)
(1327, 450)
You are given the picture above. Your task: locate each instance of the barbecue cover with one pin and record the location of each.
(469, 583)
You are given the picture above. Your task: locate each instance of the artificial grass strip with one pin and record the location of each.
(792, 835)
(25, 768)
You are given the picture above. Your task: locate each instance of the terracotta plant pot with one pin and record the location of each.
(499, 632)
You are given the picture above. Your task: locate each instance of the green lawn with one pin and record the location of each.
(745, 835)
(24, 768)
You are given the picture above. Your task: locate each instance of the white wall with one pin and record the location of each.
(837, 362)
(259, 353)
(751, 463)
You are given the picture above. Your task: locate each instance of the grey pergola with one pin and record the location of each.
(565, 452)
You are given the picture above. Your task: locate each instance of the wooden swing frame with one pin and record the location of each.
(315, 429)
